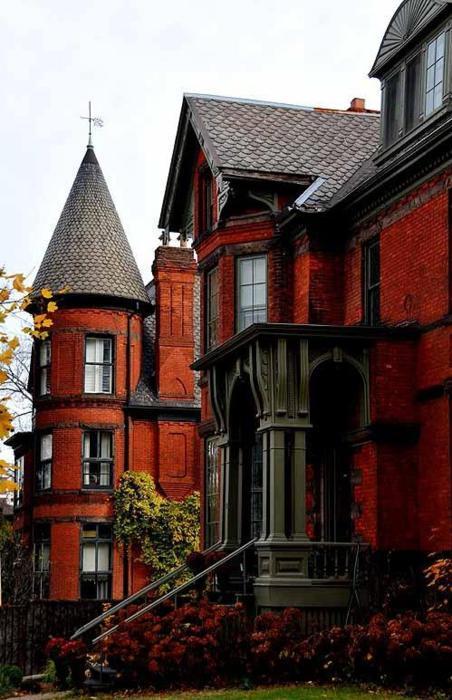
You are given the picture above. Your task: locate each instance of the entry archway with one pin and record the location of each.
(338, 409)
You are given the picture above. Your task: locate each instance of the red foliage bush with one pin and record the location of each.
(192, 646)
(211, 645)
(69, 657)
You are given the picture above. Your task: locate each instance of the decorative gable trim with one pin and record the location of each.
(411, 17)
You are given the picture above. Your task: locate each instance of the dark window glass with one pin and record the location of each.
(19, 480)
(205, 201)
(212, 308)
(257, 487)
(96, 561)
(372, 281)
(252, 291)
(41, 561)
(435, 74)
(97, 459)
(212, 493)
(413, 105)
(44, 465)
(392, 109)
(45, 349)
(98, 366)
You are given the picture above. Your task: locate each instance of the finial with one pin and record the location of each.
(92, 121)
(165, 237)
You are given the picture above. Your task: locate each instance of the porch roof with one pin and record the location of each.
(366, 334)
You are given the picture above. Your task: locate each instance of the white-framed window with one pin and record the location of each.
(96, 561)
(45, 358)
(19, 480)
(435, 65)
(44, 466)
(251, 291)
(97, 459)
(98, 365)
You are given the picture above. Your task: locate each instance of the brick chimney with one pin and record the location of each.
(358, 104)
(174, 272)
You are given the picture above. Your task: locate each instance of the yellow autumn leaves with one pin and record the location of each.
(15, 297)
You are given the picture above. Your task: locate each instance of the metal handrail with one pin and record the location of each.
(179, 589)
(136, 596)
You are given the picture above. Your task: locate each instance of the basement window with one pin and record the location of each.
(97, 459)
(98, 365)
(96, 561)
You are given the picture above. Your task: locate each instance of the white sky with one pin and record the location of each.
(134, 59)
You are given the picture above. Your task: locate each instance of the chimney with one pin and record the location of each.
(174, 271)
(357, 105)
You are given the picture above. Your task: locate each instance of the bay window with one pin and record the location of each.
(98, 365)
(44, 465)
(96, 561)
(97, 459)
(251, 291)
(212, 309)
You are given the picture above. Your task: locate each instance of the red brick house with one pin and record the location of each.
(323, 240)
(324, 249)
(112, 390)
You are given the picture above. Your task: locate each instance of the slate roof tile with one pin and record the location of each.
(89, 252)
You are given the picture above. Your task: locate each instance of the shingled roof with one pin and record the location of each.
(89, 252)
(245, 138)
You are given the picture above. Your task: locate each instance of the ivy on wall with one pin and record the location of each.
(164, 531)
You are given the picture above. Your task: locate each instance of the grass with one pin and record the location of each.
(289, 693)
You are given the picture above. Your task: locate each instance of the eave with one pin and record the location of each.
(358, 334)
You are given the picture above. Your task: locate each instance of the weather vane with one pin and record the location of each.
(93, 121)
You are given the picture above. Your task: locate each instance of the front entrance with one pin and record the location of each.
(335, 393)
(248, 447)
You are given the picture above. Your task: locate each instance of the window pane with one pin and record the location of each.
(246, 297)
(260, 271)
(260, 316)
(246, 272)
(103, 557)
(431, 54)
(103, 588)
(430, 78)
(106, 350)
(438, 96)
(392, 111)
(44, 382)
(429, 104)
(89, 531)
(88, 588)
(90, 379)
(104, 474)
(106, 379)
(260, 295)
(47, 476)
(44, 353)
(46, 447)
(413, 93)
(89, 557)
(104, 531)
(440, 46)
(105, 448)
(91, 344)
(439, 71)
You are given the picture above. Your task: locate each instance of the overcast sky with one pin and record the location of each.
(134, 59)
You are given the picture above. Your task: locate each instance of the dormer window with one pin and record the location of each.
(392, 108)
(435, 74)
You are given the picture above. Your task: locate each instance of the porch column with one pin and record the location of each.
(230, 492)
(276, 486)
(299, 487)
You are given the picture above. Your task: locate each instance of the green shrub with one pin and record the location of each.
(10, 677)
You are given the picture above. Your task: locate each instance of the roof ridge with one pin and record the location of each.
(281, 105)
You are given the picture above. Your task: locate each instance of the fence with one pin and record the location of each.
(25, 629)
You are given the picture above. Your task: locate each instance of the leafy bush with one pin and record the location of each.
(165, 531)
(438, 576)
(69, 658)
(10, 677)
(211, 645)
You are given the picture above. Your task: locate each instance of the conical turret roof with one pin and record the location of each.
(89, 253)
